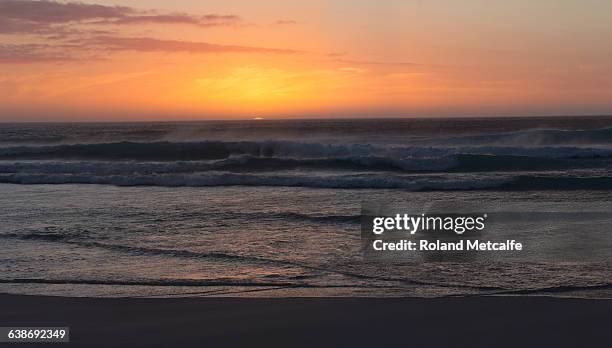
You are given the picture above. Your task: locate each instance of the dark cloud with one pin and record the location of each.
(42, 17)
(145, 44)
(12, 26)
(52, 12)
(30, 53)
(62, 25)
(211, 20)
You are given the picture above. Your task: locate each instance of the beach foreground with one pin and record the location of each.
(310, 322)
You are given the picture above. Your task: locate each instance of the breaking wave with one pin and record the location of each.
(356, 181)
(215, 150)
(537, 137)
(578, 159)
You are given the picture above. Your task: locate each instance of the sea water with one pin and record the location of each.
(272, 208)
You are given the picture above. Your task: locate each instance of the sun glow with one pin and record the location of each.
(295, 59)
(268, 90)
(251, 84)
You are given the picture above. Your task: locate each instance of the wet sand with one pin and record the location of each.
(317, 322)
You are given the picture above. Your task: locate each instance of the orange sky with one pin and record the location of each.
(155, 59)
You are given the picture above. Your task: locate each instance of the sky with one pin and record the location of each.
(123, 60)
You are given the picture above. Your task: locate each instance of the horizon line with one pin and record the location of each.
(265, 119)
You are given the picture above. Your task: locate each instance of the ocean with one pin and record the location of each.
(272, 208)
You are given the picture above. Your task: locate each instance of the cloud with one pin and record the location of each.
(91, 49)
(285, 22)
(75, 30)
(30, 53)
(146, 44)
(36, 17)
(365, 62)
(12, 26)
(210, 20)
(53, 12)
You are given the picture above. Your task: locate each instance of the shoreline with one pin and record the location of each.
(495, 321)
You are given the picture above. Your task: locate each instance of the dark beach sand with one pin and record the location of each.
(318, 322)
